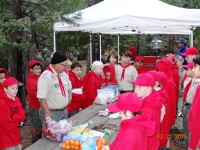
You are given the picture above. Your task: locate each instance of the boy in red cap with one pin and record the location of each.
(193, 119)
(11, 116)
(134, 128)
(139, 62)
(34, 105)
(3, 76)
(191, 53)
(151, 105)
(125, 73)
(75, 78)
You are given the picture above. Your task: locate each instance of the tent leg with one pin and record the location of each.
(100, 46)
(54, 41)
(118, 47)
(90, 49)
(191, 39)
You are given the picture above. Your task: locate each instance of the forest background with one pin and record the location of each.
(26, 32)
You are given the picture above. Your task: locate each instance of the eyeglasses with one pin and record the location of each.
(63, 65)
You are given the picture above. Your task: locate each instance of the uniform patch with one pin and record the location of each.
(56, 85)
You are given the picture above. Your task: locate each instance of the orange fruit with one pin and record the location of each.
(77, 143)
(99, 147)
(67, 142)
(71, 142)
(63, 145)
(103, 141)
(76, 147)
(68, 147)
(72, 147)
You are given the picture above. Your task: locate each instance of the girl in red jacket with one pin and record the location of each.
(134, 128)
(34, 105)
(75, 78)
(11, 116)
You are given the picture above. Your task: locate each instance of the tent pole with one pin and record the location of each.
(90, 49)
(118, 47)
(100, 46)
(54, 41)
(191, 39)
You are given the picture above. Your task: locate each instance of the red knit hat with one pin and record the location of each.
(127, 101)
(191, 51)
(10, 81)
(32, 62)
(144, 79)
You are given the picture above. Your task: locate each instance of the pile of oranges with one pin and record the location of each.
(100, 143)
(71, 145)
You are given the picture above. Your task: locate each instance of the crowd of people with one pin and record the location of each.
(154, 105)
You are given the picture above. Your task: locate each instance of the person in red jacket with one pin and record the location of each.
(75, 78)
(133, 50)
(138, 64)
(34, 105)
(134, 128)
(151, 105)
(91, 82)
(109, 73)
(175, 73)
(3, 76)
(11, 116)
(193, 119)
(165, 66)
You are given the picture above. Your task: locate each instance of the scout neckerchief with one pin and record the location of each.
(60, 82)
(123, 71)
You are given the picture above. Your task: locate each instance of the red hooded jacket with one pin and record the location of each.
(133, 51)
(6, 73)
(110, 68)
(76, 98)
(151, 106)
(31, 86)
(194, 120)
(176, 79)
(11, 115)
(91, 82)
(133, 134)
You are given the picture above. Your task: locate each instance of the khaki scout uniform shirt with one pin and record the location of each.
(192, 90)
(49, 89)
(130, 74)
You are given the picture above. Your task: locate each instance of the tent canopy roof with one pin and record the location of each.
(134, 17)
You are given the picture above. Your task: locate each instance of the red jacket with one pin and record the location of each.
(76, 98)
(176, 79)
(6, 73)
(31, 86)
(151, 106)
(91, 82)
(194, 120)
(109, 68)
(133, 134)
(133, 51)
(11, 115)
(141, 70)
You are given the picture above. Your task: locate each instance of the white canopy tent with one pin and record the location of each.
(134, 17)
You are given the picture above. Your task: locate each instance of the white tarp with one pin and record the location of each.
(134, 17)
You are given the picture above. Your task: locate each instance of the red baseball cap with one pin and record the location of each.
(127, 101)
(139, 58)
(10, 81)
(191, 51)
(155, 75)
(189, 66)
(144, 79)
(33, 62)
(171, 56)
